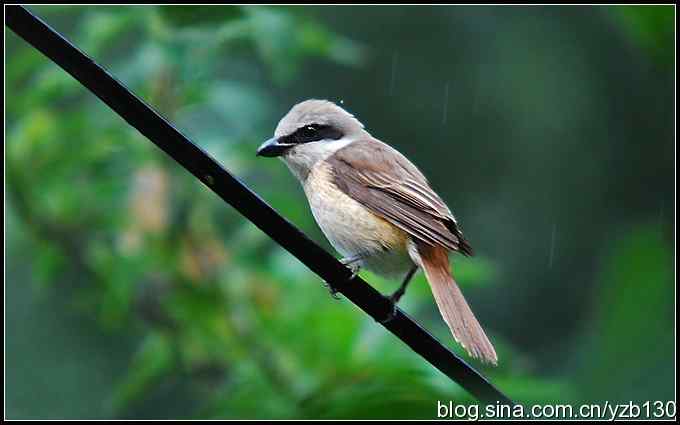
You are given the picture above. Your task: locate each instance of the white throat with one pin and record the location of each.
(301, 159)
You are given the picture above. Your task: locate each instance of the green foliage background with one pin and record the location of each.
(133, 292)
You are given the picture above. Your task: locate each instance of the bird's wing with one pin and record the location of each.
(382, 179)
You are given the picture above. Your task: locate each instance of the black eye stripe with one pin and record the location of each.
(312, 133)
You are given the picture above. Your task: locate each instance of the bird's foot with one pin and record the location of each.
(396, 296)
(393, 299)
(352, 263)
(355, 268)
(331, 290)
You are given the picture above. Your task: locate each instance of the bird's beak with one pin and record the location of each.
(272, 148)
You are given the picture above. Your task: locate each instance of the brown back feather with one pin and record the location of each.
(388, 184)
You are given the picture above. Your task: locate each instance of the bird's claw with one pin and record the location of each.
(355, 271)
(331, 290)
(393, 313)
(396, 296)
(351, 263)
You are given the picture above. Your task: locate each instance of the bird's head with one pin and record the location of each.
(310, 132)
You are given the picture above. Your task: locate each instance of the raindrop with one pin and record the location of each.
(477, 92)
(552, 246)
(394, 71)
(445, 115)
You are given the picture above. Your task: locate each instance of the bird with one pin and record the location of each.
(377, 209)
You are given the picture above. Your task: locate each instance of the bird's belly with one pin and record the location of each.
(353, 230)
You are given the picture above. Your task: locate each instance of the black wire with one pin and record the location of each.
(142, 117)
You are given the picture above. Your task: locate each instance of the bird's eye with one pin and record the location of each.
(309, 131)
(314, 133)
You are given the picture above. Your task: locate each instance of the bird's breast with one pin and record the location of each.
(351, 228)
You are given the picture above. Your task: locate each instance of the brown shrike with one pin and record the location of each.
(376, 208)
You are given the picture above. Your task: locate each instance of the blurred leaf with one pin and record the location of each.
(192, 16)
(102, 28)
(51, 262)
(527, 390)
(153, 360)
(633, 319)
(283, 47)
(651, 28)
(474, 271)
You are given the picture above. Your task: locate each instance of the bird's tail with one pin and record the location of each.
(454, 309)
